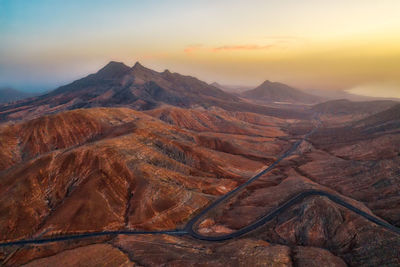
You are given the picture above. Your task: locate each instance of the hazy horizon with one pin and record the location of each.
(311, 44)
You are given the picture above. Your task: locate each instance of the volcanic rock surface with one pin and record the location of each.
(120, 168)
(137, 87)
(93, 169)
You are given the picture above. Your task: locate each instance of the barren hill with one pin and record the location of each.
(140, 88)
(279, 92)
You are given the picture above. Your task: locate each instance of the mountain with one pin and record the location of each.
(278, 92)
(387, 115)
(339, 94)
(119, 85)
(104, 169)
(117, 168)
(347, 107)
(137, 87)
(231, 88)
(68, 171)
(10, 95)
(215, 84)
(384, 121)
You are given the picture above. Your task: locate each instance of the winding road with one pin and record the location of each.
(189, 228)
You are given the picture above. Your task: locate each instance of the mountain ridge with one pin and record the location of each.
(279, 92)
(137, 87)
(345, 107)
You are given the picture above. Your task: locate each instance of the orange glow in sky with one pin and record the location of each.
(327, 45)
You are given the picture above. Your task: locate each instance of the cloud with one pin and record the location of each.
(247, 47)
(193, 48)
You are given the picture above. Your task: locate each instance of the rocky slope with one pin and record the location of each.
(338, 112)
(347, 107)
(367, 153)
(99, 169)
(316, 221)
(137, 87)
(119, 167)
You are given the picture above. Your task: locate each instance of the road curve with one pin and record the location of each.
(188, 229)
(293, 148)
(292, 201)
(188, 226)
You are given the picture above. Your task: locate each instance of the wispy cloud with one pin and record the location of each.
(190, 49)
(193, 48)
(273, 42)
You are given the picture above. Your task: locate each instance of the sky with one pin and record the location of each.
(351, 45)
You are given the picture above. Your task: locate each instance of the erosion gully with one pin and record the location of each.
(189, 230)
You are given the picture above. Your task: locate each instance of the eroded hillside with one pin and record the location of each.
(109, 169)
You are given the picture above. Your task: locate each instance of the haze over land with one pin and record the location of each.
(339, 45)
(233, 142)
(128, 163)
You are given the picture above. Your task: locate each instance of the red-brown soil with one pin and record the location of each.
(162, 250)
(100, 169)
(107, 169)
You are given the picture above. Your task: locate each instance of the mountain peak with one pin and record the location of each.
(138, 66)
(267, 82)
(142, 73)
(115, 64)
(217, 85)
(112, 70)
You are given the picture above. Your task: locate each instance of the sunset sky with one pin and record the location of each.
(310, 44)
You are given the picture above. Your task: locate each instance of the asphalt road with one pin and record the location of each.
(271, 215)
(189, 228)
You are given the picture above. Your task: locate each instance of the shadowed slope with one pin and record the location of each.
(28, 139)
(347, 107)
(279, 92)
(139, 88)
(361, 159)
(10, 95)
(121, 168)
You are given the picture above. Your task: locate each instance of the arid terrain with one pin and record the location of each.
(131, 149)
